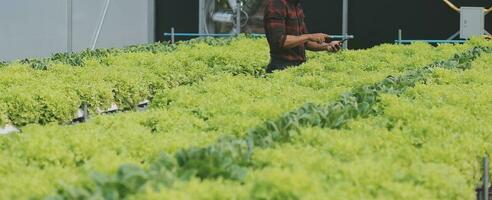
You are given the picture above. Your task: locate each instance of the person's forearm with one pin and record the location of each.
(294, 41)
(314, 46)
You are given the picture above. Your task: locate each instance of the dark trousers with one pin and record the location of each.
(277, 64)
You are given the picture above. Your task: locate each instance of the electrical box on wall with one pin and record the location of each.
(472, 22)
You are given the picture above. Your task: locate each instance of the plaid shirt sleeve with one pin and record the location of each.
(274, 21)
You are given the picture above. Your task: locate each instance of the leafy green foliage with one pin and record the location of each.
(3, 64)
(192, 109)
(359, 103)
(129, 179)
(426, 144)
(125, 78)
(79, 59)
(227, 159)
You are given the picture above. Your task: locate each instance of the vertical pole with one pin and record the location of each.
(345, 22)
(69, 26)
(85, 108)
(151, 22)
(238, 17)
(172, 35)
(485, 178)
(400, 36)
(201, 17)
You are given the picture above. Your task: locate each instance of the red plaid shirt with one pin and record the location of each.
(282, 18)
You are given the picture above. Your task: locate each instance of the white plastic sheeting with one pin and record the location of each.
(33, 28)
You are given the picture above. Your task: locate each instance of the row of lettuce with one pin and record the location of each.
(78, 59)
(125, 78)
(187, 120)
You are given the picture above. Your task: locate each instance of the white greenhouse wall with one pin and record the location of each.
(34, 28)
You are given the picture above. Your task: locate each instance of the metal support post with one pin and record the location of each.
(172, 35)
(85, 109)
(238, 17)
(400, 36)
(201, 16)
(485, 178)
(151, 21)
(69, 26)
(345, 22)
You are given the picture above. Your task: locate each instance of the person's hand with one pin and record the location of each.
(334, 46)
(318, 37)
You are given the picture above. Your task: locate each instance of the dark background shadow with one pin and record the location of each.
(372, 22)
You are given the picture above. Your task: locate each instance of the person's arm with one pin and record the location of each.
(319, 45)
(314, 46)
(333, 46)
(294, 41)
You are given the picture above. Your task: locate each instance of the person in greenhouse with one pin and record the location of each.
(288, 36)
